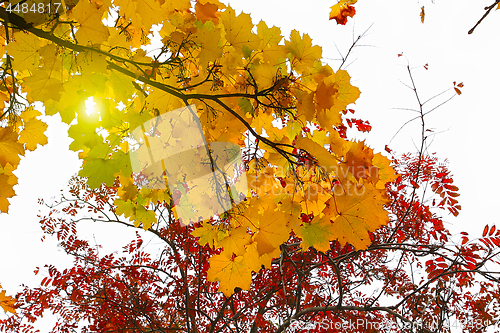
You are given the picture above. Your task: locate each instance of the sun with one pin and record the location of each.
(90, 105)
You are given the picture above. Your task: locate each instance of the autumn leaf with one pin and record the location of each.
(99, 170)
(209, 38)
(238, 30)
(209, 235)
(325, 159)
(355, 212)
(143, 216)
(24, 50)
(7, 182)
(271, 232)
(125, 208)
(235, 241)
(318, 234)
(385, 173)
(358, 161)
(42, 87)
(231, 272)
(342, 10)
(33, 134)
(6, 192)
(127, 190)
(7, 302)
(208, 10)
(91, 29)
(10, 148)
(303, 52)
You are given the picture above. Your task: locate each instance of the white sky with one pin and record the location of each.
(469, 121)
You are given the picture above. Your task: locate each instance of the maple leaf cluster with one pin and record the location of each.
(271, 99)
(299, 216)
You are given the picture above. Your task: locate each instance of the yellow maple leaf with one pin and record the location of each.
(385, 172)
(305, 105)
(33, 134)
(314, 198)
(8, 171)
(326, 160)
(10, 148)
(231, 272)
(272, 231)
(355, 212)
(6, 192)
(24, 50)
(235, 241)
(42, 87)
(208, 10)
(252, 257)
(150, 12)
(303, 53)
(208, 37)
(347, 93)
(177, 5)
(91, 29)
(127, 190)
(270, 36)
(238, 30)
(143, 216)
(209, 234)
(325, 94)
(127, 9)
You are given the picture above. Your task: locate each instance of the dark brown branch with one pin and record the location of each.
(488, 10)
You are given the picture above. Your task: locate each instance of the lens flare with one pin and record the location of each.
(90, 106)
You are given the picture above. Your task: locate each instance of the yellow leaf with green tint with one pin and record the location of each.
(24, 50)
(150, 13)
(318, 233)
(98, 171)
(125, 208)
(209, 234)
(145, 217)
(303, 52)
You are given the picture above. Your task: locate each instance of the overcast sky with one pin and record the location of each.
(467, 124)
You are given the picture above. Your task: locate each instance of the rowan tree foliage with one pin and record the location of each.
(229, 145)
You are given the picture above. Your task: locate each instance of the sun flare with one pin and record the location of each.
(90, 106)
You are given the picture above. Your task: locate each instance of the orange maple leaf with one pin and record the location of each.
(342, 10)
(7, 302)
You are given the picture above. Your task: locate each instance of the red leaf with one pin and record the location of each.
(485, 231)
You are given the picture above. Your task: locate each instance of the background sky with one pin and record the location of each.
(466, 127)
